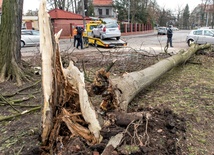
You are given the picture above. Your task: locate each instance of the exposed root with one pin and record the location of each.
(137, 138)
(101, 82)
(14, 73)
(102, 86)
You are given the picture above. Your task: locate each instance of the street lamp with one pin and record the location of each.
(116, 13)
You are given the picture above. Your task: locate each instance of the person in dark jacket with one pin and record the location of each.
(79, 37)
(169, 36)
(75, 34)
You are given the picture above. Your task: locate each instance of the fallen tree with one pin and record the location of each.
(67, 110)
(132, 83)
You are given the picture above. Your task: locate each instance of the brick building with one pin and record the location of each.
(65, 20)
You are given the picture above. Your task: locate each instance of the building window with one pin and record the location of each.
(107, 11)
(100, 11)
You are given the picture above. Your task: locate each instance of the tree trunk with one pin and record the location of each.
(129, 85)
(47, 75)
(10, 36)
(65, 101)
(75, 6)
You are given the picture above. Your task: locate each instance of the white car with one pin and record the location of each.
(109, 30)
(162, 30)
(29, 37)
(200, 36)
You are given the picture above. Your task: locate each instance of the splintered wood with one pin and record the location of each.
(102, 86)
(67, 112)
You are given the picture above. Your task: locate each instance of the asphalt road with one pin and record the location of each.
(156, 43)
(151, 43)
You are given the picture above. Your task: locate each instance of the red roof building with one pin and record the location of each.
(102, 2)
(65, 20)
(61, 14)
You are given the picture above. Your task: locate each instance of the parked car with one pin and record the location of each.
(109, 30)
(162, 30)
(109, 20)
(29, 37)
(175, 29)
(200, 36)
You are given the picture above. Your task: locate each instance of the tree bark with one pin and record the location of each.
(10, 36)
(46, 48)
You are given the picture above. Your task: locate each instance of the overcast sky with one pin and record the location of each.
(30, 5)
(167, 4)
(175, 4)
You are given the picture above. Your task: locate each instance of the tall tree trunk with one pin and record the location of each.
(10, 36)
(55, 4)
(75, 6)
(72, 6)
(63, 5)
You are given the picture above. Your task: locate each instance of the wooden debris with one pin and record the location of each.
(66, 103)
(77, 129)
(112, 144)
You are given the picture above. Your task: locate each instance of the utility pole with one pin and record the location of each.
(83, 13)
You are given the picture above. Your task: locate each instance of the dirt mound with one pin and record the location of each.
(160, 131)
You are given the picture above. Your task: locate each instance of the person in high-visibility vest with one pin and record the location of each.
(75, 35)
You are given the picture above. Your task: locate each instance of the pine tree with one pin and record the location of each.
(186, 16)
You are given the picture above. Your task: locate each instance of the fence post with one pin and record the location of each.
(135, 27)
(131, 25)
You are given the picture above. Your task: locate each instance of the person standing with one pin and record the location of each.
(169, 36)
(79, 37)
